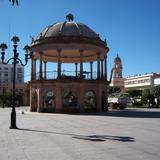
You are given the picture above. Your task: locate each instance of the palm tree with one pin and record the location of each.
(14, 2)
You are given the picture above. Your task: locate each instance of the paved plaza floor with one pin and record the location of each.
(132, 134)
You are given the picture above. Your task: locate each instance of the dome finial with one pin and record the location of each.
(70, 17)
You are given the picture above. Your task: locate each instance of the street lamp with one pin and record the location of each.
(15, 60)
(3, 91)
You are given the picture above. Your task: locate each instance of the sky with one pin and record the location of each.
(131, 27)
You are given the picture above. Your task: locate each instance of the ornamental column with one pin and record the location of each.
(45, 66)
(91, 70)
(105, 67)
(34, 69)
(59, 63)
(81, 64)
(31, 69)
(76, 70)
(40, 66)
(98, 66)
(102, 69)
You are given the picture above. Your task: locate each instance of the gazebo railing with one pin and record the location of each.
(67, 75)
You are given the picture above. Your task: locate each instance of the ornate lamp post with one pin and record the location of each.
(3, 91)
(15, 60)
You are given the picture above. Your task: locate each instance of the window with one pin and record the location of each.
(19, 76)
(5, 68)
(19, 80)
(19, 70)
(146, 80)
(6, 80)
(140, 81)
(6, 74)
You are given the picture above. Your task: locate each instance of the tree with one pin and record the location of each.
(155, 91)
(147, 97)
(113, 90)
(7, 98)
(134, 93)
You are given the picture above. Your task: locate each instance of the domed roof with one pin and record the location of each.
(69, 39)
(68, 28)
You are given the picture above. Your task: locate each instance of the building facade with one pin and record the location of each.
(6, 73)
(142, 81)
(6, 81)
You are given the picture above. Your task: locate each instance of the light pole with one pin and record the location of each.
(15, 60)
(3, 91)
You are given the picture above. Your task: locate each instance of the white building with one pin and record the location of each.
(6, 81)
(6, 73)
(6, 77)
(142, 81)
(157, 81)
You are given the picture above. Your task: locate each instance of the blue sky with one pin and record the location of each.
(131, 27)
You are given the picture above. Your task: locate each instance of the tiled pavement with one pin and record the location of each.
(122, 135)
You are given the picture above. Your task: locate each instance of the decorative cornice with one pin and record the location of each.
(69, 39)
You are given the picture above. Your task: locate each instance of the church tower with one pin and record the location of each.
(117, 73)
(117, 68)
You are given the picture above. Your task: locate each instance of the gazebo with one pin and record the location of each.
(73, 43)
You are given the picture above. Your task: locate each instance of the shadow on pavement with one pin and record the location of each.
(132, 113)
(94, 138)
(106, 137)
(129, 113)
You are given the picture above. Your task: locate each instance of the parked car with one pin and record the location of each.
(117, 102)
